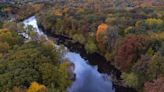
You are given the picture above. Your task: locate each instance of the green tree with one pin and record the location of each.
(90, 46)
(32, 58)
(49, 74)
(130, 79)
(10, 37)
(156, 67)
(79, 38)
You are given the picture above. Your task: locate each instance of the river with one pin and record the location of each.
(88, 79)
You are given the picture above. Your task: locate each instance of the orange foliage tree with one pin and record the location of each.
(100, 33)
(101, 28)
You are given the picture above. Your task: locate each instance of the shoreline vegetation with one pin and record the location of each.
(127, 39)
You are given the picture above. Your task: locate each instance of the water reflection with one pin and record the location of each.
(88, 79)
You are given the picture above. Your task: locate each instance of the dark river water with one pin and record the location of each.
(88, 79)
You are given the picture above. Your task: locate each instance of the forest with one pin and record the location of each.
(129, 34)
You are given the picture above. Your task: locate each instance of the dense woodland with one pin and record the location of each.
(130, 38)
(26, 64)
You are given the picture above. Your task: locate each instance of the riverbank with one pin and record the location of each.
(84, 72)
(94, 59)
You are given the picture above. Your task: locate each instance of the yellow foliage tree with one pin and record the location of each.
(18, 89)
(37, 7)
(7, 9)
(4, 47)
(36, 87)
(57, 12)
(152, 21)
